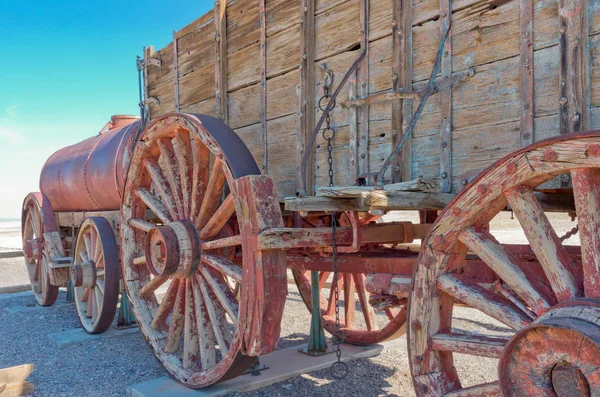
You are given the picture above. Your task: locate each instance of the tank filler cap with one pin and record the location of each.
(118, 121)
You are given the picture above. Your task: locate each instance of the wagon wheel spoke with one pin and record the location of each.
(349, 304)
(159, 209)
(586, 189)
(367, 310)
(219, 323)
(201, 162)
(222, 291)
(212, 195)
(90, 304)
(470, 293)
(85, 295)
(162, 186)
(205, 331)
(190, 332)
(323, 276)
(529, 288)
(183, 152)
(88, 246)
(166, 305)
(172, 170)
(218, 220)
(470, 343)
(225, 242)
(97, 302)
(177, 320)
(223, 266)
(153, 285)
(330, 311)
(546, 245)
(100, 260)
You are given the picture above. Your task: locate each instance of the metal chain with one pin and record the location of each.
(570, 234)
(339, 370)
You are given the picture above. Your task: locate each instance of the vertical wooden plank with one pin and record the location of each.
(221, 60)
(446, 103)
(362, 89)
(402, 80)
(175, 72)
(527, 76)
(306, 94)
(263, 83)
(148, 52)
(574, 66)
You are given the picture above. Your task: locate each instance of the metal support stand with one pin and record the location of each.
(317, 344)
(70, 292)
(126, 317)
(255, 368)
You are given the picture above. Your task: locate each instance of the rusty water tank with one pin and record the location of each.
(90, 175)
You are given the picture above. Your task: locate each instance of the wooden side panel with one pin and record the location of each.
(514, 98)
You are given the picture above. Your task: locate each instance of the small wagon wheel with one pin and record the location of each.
(541, 290)
(191, 178)
(95, 274)
(367, 330)
(37, 218)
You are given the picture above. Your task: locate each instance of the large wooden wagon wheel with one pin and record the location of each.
(37, 218)
(362, 328)
(95, 274)
(544, 291)
(190, 179)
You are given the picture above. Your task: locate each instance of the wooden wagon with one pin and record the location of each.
(279, 134)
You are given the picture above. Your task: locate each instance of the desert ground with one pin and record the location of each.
(106, 367)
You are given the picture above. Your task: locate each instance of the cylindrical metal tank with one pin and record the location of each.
(90, 175)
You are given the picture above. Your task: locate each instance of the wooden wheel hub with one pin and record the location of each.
(33, 249)
(173, 250)
(84, 275)
(559, 354)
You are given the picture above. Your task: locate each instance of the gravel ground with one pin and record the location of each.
(107, 367)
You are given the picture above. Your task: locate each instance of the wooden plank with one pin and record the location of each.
(362, 89)
(221, 60)
(574, 84)
(263, 84)
(446, 102)
(416, 185)
(402, 76)
(527, 76)
(472, 344)
(306, 95)
(175, 72)
(11, 254)
(13, 383)
(19, 388)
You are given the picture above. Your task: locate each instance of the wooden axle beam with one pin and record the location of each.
(384, 233)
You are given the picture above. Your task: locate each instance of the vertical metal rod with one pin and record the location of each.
(175, 72)
(316, 341)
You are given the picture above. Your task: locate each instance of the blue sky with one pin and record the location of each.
(66, 67)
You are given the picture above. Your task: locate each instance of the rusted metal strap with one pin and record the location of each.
(413, 121)
(306, 97)
(402, 66)
(330, 104)
(263, 84)
(175, 72)
(221, 60)
(526, 66)
(574, 66)
(446, 102)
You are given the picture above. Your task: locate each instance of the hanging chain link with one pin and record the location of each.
(339, 369)
(569, 234)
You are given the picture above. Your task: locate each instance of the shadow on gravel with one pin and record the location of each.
(490, 327)
(365, 379)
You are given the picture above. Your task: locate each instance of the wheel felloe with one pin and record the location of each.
(95, 275)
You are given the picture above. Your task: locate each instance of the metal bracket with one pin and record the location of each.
(151, 101)
(144, 63)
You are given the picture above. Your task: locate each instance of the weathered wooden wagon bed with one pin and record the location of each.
(278, 134)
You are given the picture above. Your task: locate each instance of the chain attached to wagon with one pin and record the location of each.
(339, 370)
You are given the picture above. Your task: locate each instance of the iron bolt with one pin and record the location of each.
(397, 168)
(562, 29)
(594, 150)
(444, 175)
(565, 178)
(576, 117)
(481, 189)
(456, 211)
(563, 101)
(550, 155)
(575, 42)
(362, 156)
(444, 144)
(394, 132)
(464, 182)
(443, 14)
(511, 168)
(305, 9)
